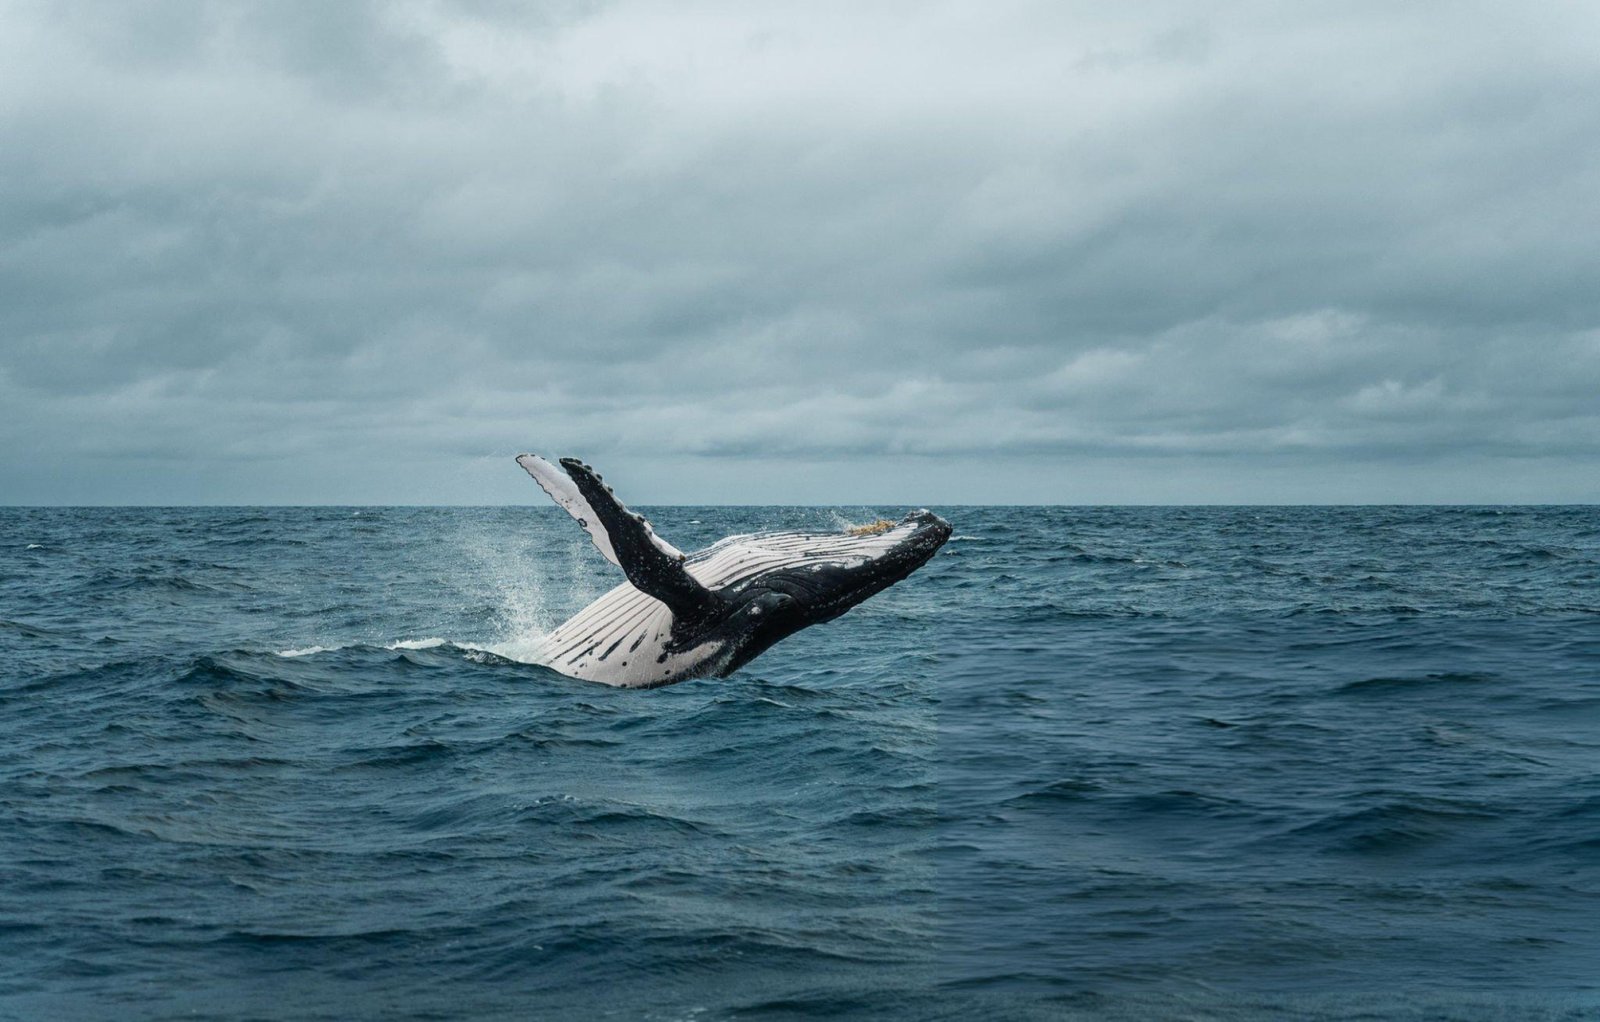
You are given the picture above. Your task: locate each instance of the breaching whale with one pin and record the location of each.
(708, 613)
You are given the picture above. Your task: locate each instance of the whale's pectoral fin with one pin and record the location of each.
(565, 493)
(654, 566)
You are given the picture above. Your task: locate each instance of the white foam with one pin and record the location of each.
(524, 649)
(521, 648)
(416, 644)
(35, 546)
(308, 651)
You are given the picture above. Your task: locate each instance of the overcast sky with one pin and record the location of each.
(307, 252)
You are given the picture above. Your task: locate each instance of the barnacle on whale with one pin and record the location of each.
(871, 528)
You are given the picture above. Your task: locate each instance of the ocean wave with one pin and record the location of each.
(1065, 790)
(124, 581)
(27, 631)
(1396, 825)
(1402, 683)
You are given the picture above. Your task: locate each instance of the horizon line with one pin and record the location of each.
(851, 504)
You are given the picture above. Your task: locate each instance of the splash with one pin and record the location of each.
(518, 578)
(522, 589)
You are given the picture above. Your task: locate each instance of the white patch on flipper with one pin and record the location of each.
(564, 492)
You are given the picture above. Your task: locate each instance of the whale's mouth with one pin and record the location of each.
(931, 533)
(828, 590)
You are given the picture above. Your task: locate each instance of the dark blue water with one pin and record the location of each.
(1088, 763)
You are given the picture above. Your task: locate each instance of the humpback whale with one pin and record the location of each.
(706, 614)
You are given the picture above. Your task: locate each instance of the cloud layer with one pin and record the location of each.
(286, 252)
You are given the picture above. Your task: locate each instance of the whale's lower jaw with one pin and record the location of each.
(650, 667)
(720, 663)
(716, 655)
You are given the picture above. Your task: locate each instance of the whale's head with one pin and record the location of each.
(781, 602)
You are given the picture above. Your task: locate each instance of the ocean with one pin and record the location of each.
(1089, 762)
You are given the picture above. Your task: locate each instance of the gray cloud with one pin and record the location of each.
(1161, 251)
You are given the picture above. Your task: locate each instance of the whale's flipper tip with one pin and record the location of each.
(565, 492)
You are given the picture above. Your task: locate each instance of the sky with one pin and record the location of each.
(298, 252)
